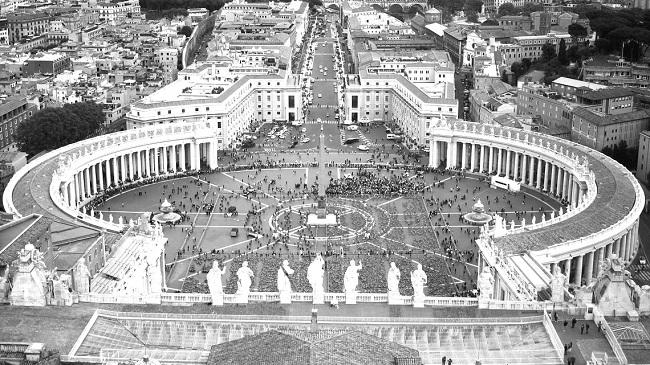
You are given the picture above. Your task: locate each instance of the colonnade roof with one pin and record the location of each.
(614, 200)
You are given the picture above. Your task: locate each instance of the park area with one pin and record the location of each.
(383, 216)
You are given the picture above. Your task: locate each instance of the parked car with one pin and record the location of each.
(352, 127)
(363, 147)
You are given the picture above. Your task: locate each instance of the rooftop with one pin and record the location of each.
(614, 200)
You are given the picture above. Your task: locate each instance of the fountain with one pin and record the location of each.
(167, 215)
(478, 215)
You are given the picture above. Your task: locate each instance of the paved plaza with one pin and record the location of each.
(404, 226)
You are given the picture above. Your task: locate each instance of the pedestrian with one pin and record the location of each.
(566, 323)
(444, 360)
(573, 322)
(582, 329)
(555, 316)
(600, 325)
(587, 329)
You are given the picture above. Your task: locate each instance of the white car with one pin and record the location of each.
(320, 95)
(303, 130)
(352, 128)
(363, 147)
(305, 140)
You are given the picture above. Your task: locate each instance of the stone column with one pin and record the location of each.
(212, 163)
(82, 189)
(565, 185)
(499, 162)
(531, 172)
(482, 159)
(547, 175)
(560, 179)
(73, 192)
(524, 171)
(589, 272)
(193, 152)
(181, 151)
(539, 173)
(610, 248)
(515, 168)
(92, 180)
(600, 256)
(553, 181)
(138, 163)
(567, 268)
(508, 163)
(578, 271)
(122, 168)
(624, 247)
(474, 157)
(132, 165)
(64, 194)
(491, 166)
(115, 173)
(580, 194)
(87, 187)
(147, 161)
(463, 155)
(100, 175)
(172, 156)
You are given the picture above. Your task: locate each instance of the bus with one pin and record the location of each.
(504, 183)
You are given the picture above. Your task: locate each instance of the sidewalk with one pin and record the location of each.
(583, 344)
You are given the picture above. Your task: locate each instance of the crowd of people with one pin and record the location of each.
(366, 182)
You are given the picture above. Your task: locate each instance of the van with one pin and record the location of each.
(391, 136)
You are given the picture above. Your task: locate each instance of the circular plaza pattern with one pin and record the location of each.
(352, 220)
(122, 175)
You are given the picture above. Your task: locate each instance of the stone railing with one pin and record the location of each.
(552, 334)
(599, 318)
(520, 287)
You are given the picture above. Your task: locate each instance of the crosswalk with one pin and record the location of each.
(322, 121)
(640, 274)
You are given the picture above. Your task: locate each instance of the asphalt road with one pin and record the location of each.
(324, 83)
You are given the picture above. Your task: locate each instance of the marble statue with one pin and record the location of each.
(315, 273)
(351, 277)
(392, 279)
(284, 282)
(558, 282)
(30, 281)
(82, 277)
(418, 281)
(110, 218)
(244, 275)
(485, 283)
(214, 283)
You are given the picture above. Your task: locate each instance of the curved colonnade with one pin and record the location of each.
(604, 200)
(86, 169)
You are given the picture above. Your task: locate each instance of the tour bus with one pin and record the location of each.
(504, 183)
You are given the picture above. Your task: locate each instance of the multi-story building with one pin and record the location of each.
(531, 46)
(26, 25)
(643, 160)
(550, 109)
(47, 64)
(230, 105)
(515, 22)
(13, 111)
(393, 98)
(616, 71)
(608, 117)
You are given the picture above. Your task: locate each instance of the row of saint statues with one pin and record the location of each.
(315, 274)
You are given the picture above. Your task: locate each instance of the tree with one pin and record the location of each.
(507, 9)
(517, 71)
(472, 16)
(561, 54)
(52, 128)
(186, 30)
(577, 31)
(530, 8)
(490, 22)
(548, 52)
(526, 63)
